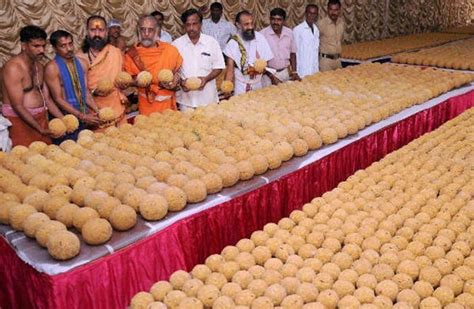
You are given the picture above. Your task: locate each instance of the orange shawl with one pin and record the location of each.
(163, 56)
(107, 64)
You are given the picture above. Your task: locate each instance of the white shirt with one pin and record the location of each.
(221, 31)
(198, 61)
(307, 49)
(257, 48)
(165, 37)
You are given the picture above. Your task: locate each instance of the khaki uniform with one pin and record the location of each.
(330, 37)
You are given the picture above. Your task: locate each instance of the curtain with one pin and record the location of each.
(365, 19)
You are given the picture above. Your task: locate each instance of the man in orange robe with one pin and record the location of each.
(105, 62)
(153, 56)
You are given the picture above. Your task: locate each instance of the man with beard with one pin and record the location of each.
(114, 34)
(161, 34)
(217, 27)
(306, 37)
(104, 63)
(26, 100)
(331, 29)
(242, 51)
(66, 79)
(202, 57)
(153, 56)
(280, 39)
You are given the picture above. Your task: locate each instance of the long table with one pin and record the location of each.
(108, 276)
(345, 62)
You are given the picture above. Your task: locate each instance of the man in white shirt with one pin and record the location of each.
(202, 57)
(217, 27)
(242, 51)
(280, 39)
(162, 36)
(306, 37)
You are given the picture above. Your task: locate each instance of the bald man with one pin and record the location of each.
(152, 55)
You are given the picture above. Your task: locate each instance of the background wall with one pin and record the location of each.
(408, 16)
(365, 19)
(472, 10)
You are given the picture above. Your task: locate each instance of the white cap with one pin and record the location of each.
(113, 23)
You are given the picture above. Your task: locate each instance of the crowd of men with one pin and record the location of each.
(69, 84)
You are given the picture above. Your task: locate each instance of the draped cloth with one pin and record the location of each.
(155, 59)
(107, 64)
(20, 132)
(74, 83)
(75, 91)
(243, 53)
(111, 281)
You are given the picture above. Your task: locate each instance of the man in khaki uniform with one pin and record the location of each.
(331, 31)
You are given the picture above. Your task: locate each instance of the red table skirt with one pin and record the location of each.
(110, 282)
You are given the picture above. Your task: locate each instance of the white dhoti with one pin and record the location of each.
(243, 83)
(283, 75)
(5, 141)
